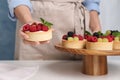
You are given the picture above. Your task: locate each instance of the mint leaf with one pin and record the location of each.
(87, 33)
(42, 20)
(116, 34)
(46, 23)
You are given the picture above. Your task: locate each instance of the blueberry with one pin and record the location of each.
(70, 34)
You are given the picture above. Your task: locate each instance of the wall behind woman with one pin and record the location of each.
(110, 10)
(110, 18)
(7, 33)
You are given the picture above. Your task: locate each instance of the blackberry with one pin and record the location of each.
(116, 30)
(70, 34)
(101, 34)
(113, 31)
(96, 34)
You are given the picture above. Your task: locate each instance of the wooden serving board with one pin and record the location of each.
(88, 51)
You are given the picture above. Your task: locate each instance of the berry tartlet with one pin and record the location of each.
(116, 43)
(71, 40)
(38, 31)
(99, 41)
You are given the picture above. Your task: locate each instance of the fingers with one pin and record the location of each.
(44, 42)
(23, 35)
(35, 43)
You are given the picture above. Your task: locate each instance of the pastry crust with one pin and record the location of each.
(99, 45)
(39, 35)
(74, 44)
(116, 45)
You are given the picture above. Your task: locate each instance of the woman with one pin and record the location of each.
(66, 15)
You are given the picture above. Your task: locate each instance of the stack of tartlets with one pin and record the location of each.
(38, 31)
(72, 40)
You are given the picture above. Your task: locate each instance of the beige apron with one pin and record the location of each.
(66, 15)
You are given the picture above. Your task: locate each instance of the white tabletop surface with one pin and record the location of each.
(68, 70)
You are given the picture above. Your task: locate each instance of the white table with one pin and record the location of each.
(68, 70)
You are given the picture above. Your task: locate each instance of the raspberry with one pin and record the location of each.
(102, 37)
(110, 39)
(39, 27)
(94, 39)
(44, 28)
(74, 35)
(112, 36)
(34, 23)
(33, 28)
(26, 27)
(65, 37)
(86, 36)
(80, 37)
(89, 38)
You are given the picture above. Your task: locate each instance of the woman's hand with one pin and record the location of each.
(94, 21)
(34, 43)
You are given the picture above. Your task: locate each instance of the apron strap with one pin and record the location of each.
(81, 19)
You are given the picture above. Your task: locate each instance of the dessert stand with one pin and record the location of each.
(94, 61)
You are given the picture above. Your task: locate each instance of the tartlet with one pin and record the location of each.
(99, 45)
(98, 41)
(38, 31)
(71, 40)
(116, 35)
(39, 35)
